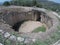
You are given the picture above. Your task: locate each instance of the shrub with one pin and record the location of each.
(6, 3)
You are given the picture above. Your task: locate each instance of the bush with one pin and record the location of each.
(6, 3)
(39, 5)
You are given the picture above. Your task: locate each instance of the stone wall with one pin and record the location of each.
(43, 17)
(48, 18)
(12, 17)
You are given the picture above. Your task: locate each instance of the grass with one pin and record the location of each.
(0, 12)
(51, 40)
(42, 29)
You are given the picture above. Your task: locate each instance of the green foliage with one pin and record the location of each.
(40, 43)
(39, 5)
(26, 3)
(29, 3)
(51, 40)
(42, 28)
(7, 42)
(22, 2)
(1, 38)
(34, 2)
(6, 3)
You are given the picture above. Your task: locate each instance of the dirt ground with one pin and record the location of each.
(29, 26)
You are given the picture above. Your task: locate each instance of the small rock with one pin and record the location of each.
(20, 39)
(13, 38)
(6, 35)
(27, 41)
(1, 44)
(1, 31)
(58, 44)
(33, 40)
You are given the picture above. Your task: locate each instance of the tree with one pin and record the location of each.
(39, 5)
(6, 3)
(34, 2)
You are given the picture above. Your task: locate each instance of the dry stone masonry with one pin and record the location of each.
(11, 15)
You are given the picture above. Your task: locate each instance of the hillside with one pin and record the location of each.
(49, 4)
(39, 3)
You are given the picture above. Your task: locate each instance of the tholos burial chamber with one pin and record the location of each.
(26, 19)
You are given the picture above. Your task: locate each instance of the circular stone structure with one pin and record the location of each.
(16, 16)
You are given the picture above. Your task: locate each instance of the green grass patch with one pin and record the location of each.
(42, 29)
(0, 12)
